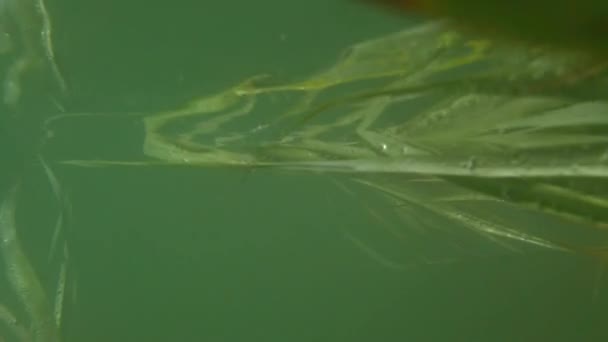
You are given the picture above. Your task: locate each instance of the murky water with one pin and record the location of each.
(165, 253)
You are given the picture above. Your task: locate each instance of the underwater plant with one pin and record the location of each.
(26, 34)
(450, 128)
(37, 318)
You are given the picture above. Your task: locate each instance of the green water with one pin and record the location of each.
(186, 254)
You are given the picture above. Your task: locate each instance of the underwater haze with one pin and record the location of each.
(167, 252)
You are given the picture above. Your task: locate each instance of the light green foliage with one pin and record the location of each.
(457, 129)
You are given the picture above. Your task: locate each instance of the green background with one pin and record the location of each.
(178, 254)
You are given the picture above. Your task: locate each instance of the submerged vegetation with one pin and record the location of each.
(42, 317)
(457, 130)
(36, 313)
(464, 138)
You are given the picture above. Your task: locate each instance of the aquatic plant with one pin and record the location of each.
(507, 142)
(38, 318)
(26, 35)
